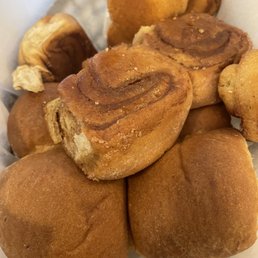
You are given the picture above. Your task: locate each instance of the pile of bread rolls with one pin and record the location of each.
(133, 147)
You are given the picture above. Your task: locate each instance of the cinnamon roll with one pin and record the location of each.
(202, 44)
(204, 6)
(121, 112)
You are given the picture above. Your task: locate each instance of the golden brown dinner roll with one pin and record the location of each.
(26, 127)
(128, 16)
(48, 208)
(206, 119)
(50, 50)
(203, 6)
(123, 103)
(238, 88)
(200, 200)
(202, 44)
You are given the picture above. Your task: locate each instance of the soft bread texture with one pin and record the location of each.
(55, 46)
(204, 6)
(202, 44)
(200, 200)
(128, 16)
(48, 208)
(206, 119)
(121, 112)
(238, 88)
(26, 127)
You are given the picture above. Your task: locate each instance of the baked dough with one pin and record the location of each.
(238, 88)
(128, 16)
(50, 209)
(199, 200)
(122, 112)
(27, 129)
(202, 44)
(206, 119)
(55, 46)
(204, 6)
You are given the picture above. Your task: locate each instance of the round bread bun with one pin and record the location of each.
(48, 208)
(200, 200)
(27, 128)
(206, 119)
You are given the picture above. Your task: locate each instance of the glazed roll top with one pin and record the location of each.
(123, 102)
(202, 44)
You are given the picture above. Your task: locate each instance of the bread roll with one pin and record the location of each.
(26, 127)
(203, 6)
(128, 16)
(111, 115)
(202, 44)
(48, 208)
(238, 88)
(55, 46)
(200, 200)
(206, 119)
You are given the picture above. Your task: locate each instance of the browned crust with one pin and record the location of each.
(66, 54)
(206, 119)
(125, 101)
(128, 16)
(50, 209)
(204, 6)
(27, 129)
(238, 90)
(199, 200)
(57, 45)
(202, 44)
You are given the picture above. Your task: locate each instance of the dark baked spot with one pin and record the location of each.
(65, 55)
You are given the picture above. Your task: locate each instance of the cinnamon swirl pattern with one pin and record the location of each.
(202, 44)
(121, 112)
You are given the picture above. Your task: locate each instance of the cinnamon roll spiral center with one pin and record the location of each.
(114, 102)
(195, 36)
